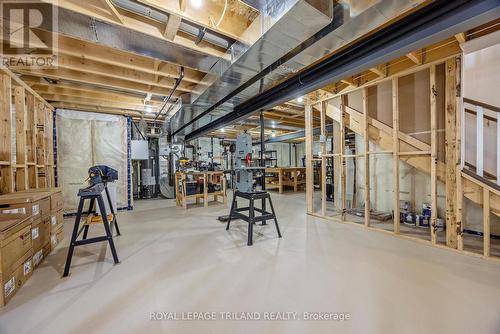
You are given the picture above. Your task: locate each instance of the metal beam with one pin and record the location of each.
(431, 24)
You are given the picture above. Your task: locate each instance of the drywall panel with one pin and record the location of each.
(441, 111)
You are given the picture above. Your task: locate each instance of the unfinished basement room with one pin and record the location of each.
(250, 166)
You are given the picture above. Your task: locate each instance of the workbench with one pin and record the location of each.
(202, 181)
(280, 177)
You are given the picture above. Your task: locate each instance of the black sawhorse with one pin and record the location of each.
(93, 194)
(92, 211)
(251, 219)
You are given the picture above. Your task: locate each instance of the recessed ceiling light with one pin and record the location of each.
(300, 99)
(196, 3)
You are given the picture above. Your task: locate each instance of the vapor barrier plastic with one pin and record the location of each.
(86, 139)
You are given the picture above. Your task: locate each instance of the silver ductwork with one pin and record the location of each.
(359, 17)
(289, 23)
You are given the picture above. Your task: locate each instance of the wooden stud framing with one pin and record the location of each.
(21, 167)
(29, 164)
(486, 223)
(7, 181)
(395, 159)
(309, 158)
(461, 157)
(367, 157)
(417, 153)
(173, 24)
(434, 156)
(451, 151)
(343, 184)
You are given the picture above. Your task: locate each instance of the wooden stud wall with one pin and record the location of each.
(402, 146)
(29, 164)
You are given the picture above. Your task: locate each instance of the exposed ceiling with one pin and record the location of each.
(93, 75)
(133, 74)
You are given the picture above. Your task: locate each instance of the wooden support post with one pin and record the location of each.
(280, 181)
(395, 147)
(184, 192)
(459, 214)
(486, 222)
(20, 104)
(309, 158)
(7, 181)
(451, 152)
(460, 155)
(343, 184)
(323, 158)
(434, 158)
(21, 167)
(366, 138)
(30, 128)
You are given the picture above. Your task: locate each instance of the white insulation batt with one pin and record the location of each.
(86, 139)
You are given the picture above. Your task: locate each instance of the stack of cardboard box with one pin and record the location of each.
(30, 227)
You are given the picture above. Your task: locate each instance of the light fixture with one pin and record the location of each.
(273, 124)
(300, 99)
(196, 3)
(273, 134)
(148, 108)
(222, 130)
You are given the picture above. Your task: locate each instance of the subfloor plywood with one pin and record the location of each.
(174, 260)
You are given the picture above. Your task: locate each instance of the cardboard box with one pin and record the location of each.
(13, 281)
(56, 237)
(40, 233)
(15, 242)
(25, 204)
(55, 194)
(56, 221)
(41, 254)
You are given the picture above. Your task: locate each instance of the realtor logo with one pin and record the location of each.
(29, 34)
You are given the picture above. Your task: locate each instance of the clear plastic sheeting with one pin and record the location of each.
(86, 139)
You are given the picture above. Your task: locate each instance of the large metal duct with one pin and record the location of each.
(294, 21)
(438, 20)
(350, 23)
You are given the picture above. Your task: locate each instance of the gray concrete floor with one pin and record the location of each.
(184, 261)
